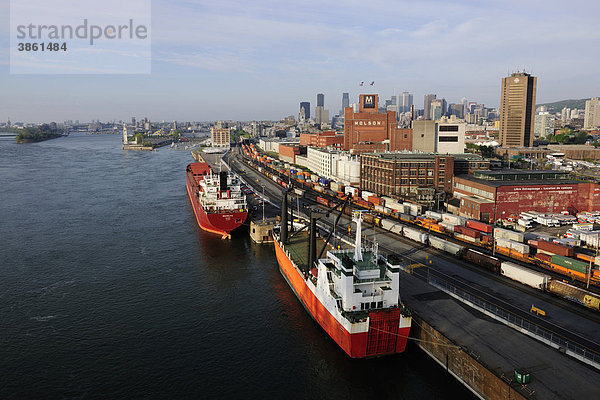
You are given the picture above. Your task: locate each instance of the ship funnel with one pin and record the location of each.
(223, 181)
(283, 236)
(357, 245)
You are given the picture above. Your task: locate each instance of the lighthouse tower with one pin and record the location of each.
(125, 134)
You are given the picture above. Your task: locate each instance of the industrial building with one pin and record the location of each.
(322, 139)
(489, 195)
(395, 174)
(368, 130)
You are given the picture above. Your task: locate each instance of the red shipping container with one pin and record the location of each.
(544, 257)
(375, 200)
(486, 238)
(467, 231)
(555, 248)
(479, 226)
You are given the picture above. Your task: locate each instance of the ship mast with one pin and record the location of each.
(357, 245)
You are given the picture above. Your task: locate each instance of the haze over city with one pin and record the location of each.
(246, 61)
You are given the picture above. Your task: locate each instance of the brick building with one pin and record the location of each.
(488, 195)
(395, 174)
(322, 139)
(220, 137)
(368, 130)
(288, 152)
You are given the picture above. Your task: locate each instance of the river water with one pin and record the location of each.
(108, 289)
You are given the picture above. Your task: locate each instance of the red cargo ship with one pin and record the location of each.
(217, 199)
(353, 295)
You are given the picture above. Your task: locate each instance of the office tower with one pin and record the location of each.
(321, 115)
(304, 110)
(345, 100)
(464, 103)
(592, 113)
(517, 110)
(565, 114)
(320, 100)
(405, 101)
(437, 109)
(427, 105)
(457, 110)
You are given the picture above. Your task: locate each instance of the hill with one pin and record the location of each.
(557, 106)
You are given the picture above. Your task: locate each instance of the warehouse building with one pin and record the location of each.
(489, 195)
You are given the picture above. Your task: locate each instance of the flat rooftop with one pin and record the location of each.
(422, 156)
(509, 174)
(498, 183)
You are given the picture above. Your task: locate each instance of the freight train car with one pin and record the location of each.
(483, 260)
(524, 275)
(573, 293)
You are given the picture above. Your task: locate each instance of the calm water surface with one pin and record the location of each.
(108, 289)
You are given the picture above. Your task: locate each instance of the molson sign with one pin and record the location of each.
(369, 101)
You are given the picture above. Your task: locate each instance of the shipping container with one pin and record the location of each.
(416, 235)
(570, 263)
(319, 188)
(544, 257)
(448, 227)
(322, 201)
(454, 219)
(555, 248)
(524, 275)
(336, 186)
(375, 200)
(444, 245)
(480, 226)
(352, 191)
(463, 230)
(433, 215)
(573, 293)
(500, 233)
(568, 242)
(365, 195)
(363, 203)
(488, 262)
(466, 238)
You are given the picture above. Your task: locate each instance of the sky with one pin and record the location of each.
(257, 60)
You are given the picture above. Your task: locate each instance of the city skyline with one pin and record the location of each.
(319, 48)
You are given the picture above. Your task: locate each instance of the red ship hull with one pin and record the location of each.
(383, 337)
(221, 223)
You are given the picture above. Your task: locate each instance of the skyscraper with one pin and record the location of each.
(321, 115)
(517, 110)
(320, 100)
(427, 105)
(592, 113)
(405, 101)
(305, 110)
(345, 100)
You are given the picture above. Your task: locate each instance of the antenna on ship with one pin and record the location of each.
(357, 244)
